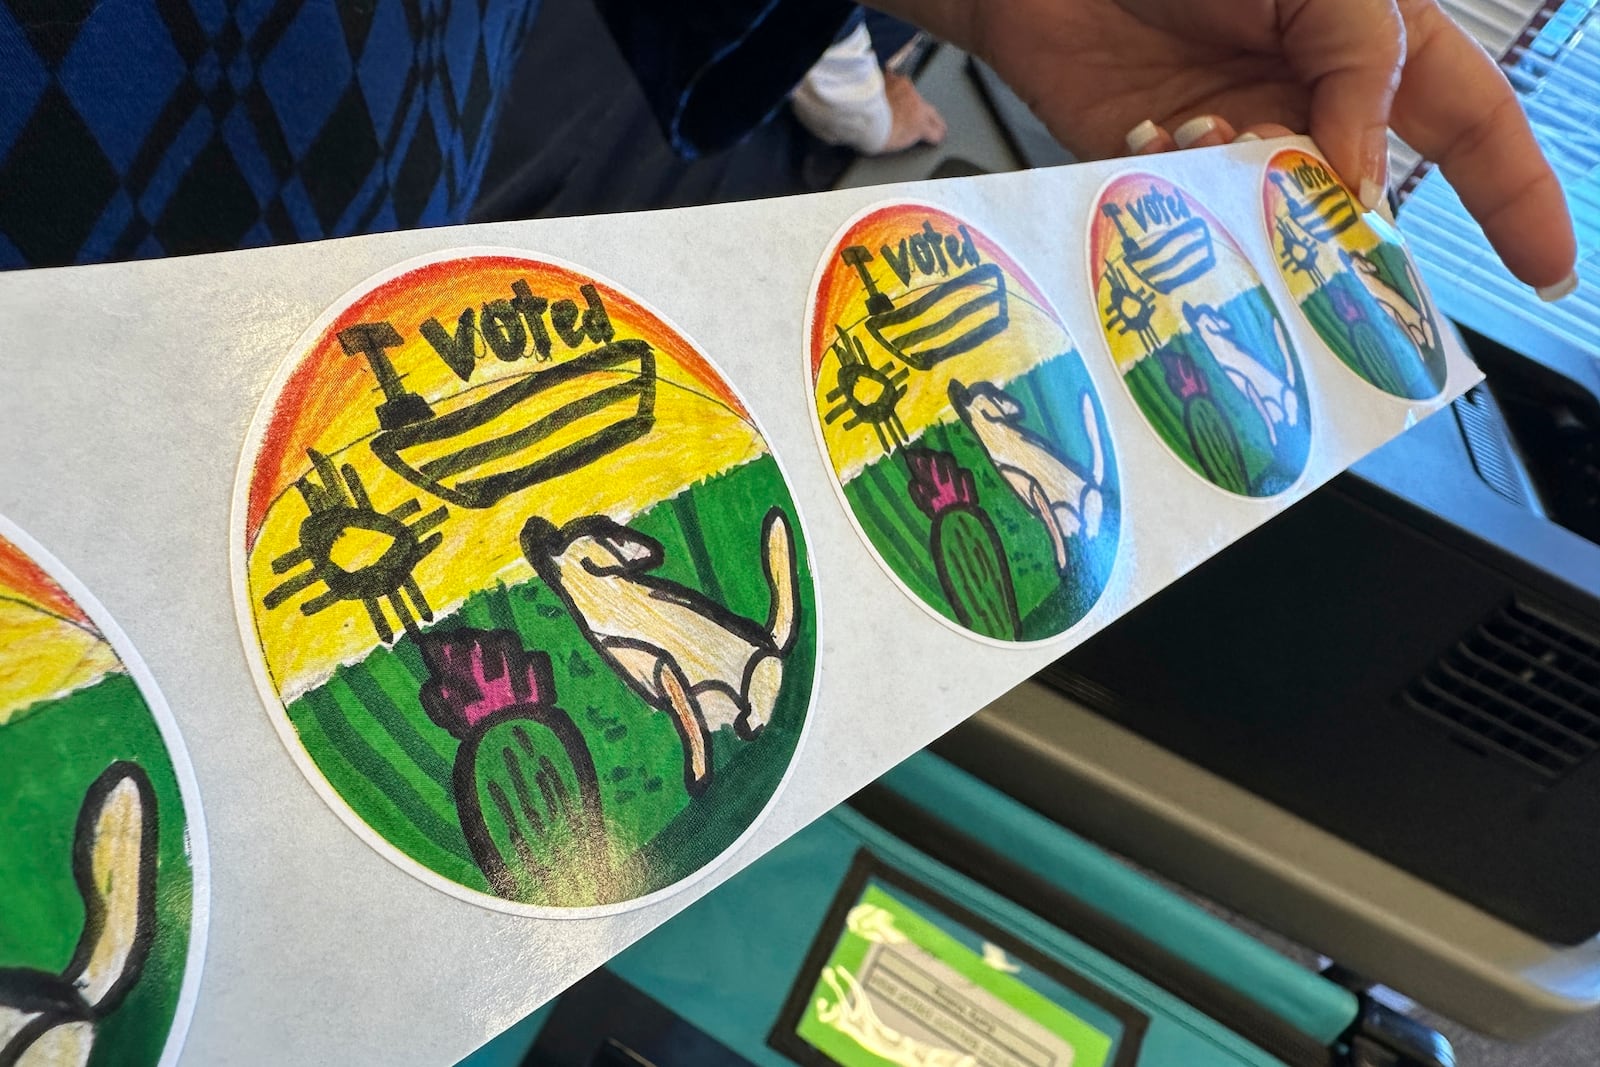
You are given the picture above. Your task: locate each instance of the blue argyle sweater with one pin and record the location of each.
(138, 128)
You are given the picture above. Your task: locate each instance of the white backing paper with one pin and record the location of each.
(125, 395)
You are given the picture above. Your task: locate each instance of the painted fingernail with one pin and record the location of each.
(1565, 287)
(1374, 167)
(1141, 135)
(1371, 194)
(1193, 130)
(1246, 136)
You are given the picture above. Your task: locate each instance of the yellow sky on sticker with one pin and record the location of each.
(48, 646)
(1032, 335)
(42, 656)
(1232, 275)
(1369, 231)
(699, 431)
(1031, 338)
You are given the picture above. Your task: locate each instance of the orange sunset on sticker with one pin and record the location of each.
(524, 586)
(43, 628)
(962, 427)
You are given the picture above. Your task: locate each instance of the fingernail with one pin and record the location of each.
(1371, 194)
(1374, 167)
(1565, 287)
(1141, 135)
(1193, 130)
(1246, 136)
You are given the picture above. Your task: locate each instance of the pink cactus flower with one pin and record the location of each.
(475, 673)
(1183, 377)
(938, 482)
(1345, 306)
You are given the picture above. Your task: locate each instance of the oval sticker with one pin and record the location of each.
(963, 430)
(1352, 278)
(103, 866)
(1196, 338)
(524, 587)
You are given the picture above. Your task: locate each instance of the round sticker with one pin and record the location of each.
(1351, 276)
(523, 585)
(1196, 337)
(103, 869)
(964, 431)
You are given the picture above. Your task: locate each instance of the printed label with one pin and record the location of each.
(898, 976)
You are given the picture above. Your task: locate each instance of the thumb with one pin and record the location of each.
(1349, 52)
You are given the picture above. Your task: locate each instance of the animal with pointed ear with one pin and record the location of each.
(1063, 495)
(1412, 320)
(50, 1020)
(681, 651)
(1272, 394)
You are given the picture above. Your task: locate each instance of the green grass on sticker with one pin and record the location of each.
(48, 760)
(1377, 348)
(880, 497)
(1269, 470)
(367, 732)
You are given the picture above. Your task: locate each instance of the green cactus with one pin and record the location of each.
(974, 573)
(1374, 360)
(525, 785)
(531, 826)
(966, 548)
(1214, 444)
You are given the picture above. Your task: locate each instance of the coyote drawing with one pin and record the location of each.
(681, 651)
(1064, 496)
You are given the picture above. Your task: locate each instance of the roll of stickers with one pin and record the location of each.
(571, 558)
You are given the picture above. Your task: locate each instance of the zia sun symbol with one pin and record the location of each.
(866, 394)
(356, 551)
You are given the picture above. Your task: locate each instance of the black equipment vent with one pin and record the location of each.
(1487, 443)
(1521, 686)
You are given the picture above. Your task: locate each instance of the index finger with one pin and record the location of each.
(1456, 107)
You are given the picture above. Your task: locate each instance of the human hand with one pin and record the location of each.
(913, 120)
(1342, 70)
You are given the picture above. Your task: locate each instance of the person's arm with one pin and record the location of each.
(716, 69)
(1342, 70)
(847, 99)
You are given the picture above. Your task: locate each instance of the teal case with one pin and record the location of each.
(729, 963)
